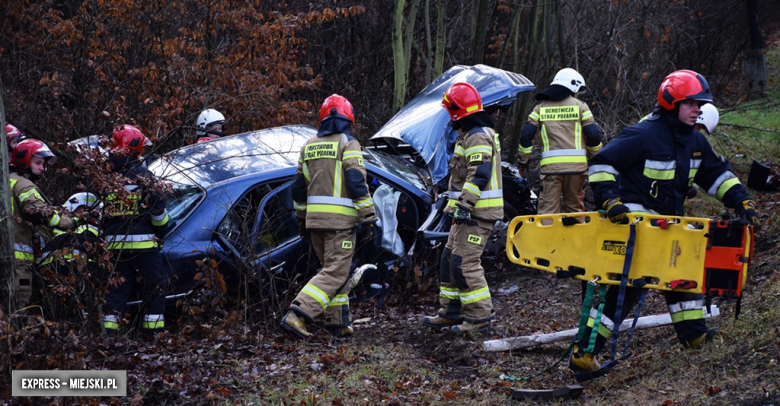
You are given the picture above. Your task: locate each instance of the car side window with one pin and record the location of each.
(238, 225)
(277, 224)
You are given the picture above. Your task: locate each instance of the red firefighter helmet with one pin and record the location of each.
(683, 85)
(462, 100)
(129, 138)
(24, 152)
(12, 134)
(337, 105)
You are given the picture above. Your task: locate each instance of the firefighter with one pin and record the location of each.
(134, 224)
(28, 162)
(657, 160)
(569, 136)
(475, 203)
(13, 137)
(209, 125)
(333, 204)
(69, 251)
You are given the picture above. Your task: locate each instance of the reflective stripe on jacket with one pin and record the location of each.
(563, 144)
(136, 217)
(475, 174)
(657, 160)
(337, 197)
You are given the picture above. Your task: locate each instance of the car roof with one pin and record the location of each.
(228, 157)
(426, 126)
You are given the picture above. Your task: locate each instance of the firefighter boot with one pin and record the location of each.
(472, 328)
(583, 363)
(439, 322)
(341, 332)
(295, 324)
(699, 341)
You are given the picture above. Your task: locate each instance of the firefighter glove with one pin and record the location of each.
(366, 234)
(747, 211)
(616, 211)
(462, 215)
(302, 229)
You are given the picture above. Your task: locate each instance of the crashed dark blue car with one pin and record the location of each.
(230, 198)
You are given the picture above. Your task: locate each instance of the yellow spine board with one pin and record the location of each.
(599, 247)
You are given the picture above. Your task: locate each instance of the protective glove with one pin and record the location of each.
(462, 215)
(302, 229)
(524, 166)
(692, 192)
(616, 211)
(366, 234)
(747, 211)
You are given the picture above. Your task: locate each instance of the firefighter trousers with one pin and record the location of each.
(464, 292)
(686, 310)
(24, 280)
(563, 193)
(326, 292)
(130, 264)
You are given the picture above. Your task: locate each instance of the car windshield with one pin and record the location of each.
(182, 200)
(395, 167)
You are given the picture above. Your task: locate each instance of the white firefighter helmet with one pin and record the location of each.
(570, 79)
(708, 117)
(86, 199)
(208, 117)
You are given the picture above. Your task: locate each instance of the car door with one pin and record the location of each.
(280, 255)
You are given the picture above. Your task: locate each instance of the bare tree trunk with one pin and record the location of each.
(399, 63)
(511, 36)
(524, 100)
(428, 66)
(7, 273)
(479, 32)
(755, 63)
(548, 40)
(561, 49)
(441, 31)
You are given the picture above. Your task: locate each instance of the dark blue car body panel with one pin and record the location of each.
(426, 126)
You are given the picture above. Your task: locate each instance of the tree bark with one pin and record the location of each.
(561, 48)
(479, 32)
(7, 273)
(441, 31)
(428, 67)
(399, 63)
(511, 36)
(755, 63)
(524, 100)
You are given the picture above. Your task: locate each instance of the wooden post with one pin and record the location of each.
(7, 276)
(515, 343)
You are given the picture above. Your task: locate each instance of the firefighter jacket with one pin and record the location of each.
(569, 135)
(329, 189)
(136, 217)
(475, 174)
(83, 241)
(657, 160)
(28, 203)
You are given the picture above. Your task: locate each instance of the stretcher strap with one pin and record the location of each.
(621, 298)
(594, 332)
(587, 302)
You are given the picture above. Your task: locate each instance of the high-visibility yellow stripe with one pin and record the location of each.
(111, 325)
(364, 203)
(472, 188)
(525, 150)
(30, 193)
(317, 294)
(602, 177)
(472, 108)
(725, 187)
(603, 330)
(339, 300)
(449, 293)
(162, 222)
(24, 256)
(132, 245)
(564, 160)
(596, 148)
(696, 314)
(482, 203)
(329, 208)
(475, 296)
(152, 324)
(658, 174)
(459, 150)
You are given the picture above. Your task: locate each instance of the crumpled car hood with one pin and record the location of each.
(426, 126)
